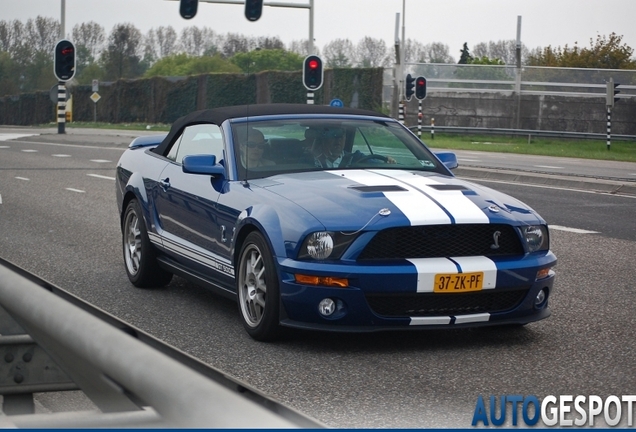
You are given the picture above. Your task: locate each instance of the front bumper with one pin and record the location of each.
(386, 297)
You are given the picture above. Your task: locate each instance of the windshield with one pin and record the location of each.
(269, 147)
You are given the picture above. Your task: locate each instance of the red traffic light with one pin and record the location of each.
(312, 72)
(420, 87)
(64, 60)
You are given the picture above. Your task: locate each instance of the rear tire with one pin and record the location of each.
(140, 258)
(258, 289)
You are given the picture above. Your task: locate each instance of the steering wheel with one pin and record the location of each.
(371, 157)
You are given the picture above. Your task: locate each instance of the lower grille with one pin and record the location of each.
(430, 304)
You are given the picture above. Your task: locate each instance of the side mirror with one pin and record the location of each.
(449, 159)
(202, 164)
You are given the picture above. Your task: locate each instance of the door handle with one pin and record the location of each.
(164, 184)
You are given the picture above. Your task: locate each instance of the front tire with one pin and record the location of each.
(258, 289)
(140, 258)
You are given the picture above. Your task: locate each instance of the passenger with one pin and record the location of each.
(252, 145)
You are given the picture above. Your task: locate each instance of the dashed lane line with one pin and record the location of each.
(22, 178)
(574, 230)
(61, 155)
(29, 151)
(100, 160)
(101, 176)
(75, 190)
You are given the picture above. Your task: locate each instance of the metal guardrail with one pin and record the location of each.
(520, 132)
(133, 378)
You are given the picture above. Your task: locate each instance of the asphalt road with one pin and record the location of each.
(58, 219)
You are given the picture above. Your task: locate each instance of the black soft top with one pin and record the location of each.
(219, 115)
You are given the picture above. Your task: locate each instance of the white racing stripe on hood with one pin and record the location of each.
(416, 206)
(427, 268)
(462, 208)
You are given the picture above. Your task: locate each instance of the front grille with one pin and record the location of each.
(433, 241)
(431, 304)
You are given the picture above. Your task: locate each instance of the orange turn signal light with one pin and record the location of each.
(543, 273)
(322, 280)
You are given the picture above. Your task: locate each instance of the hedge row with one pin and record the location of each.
(163, 100)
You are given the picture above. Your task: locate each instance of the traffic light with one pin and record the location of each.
(312, 72)
(64, 61)
(188, 8)
(420, 87)
(410, 84)
(610, 97)
(253, 9)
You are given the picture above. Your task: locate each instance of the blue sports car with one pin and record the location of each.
(327, 218)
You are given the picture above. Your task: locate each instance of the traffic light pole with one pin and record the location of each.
(61, 107)
(609, 127)
(419, 118)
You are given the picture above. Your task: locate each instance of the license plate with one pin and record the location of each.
(458, 282)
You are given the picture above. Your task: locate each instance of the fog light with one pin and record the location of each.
(541, 299)
(326, 307)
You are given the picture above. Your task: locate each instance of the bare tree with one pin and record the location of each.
(414, 52)
(91, 36)
(197, 41)
(41, 34)
(437, 52)
(266, 42)
(371, 52)
(160, 42)
(301, 47)
(339, 53)
(504, 50)
(236, 43)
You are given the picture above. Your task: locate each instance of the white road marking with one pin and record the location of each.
(547, 166)
(5, 146)
(468, 160)
(29, 151)
(100, 160)
(75, 190)
(22, 178)
(478, 180)
(11, 136)
(101, 176)
(574, 230)
(0, 199)
(60, 155)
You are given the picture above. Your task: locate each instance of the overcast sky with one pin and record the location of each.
(453, 22)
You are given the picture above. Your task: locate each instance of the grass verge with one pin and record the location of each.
(584, 149)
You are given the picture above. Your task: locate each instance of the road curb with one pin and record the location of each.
(570, 182)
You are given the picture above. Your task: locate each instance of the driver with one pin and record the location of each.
(330, 149)
(331, 152)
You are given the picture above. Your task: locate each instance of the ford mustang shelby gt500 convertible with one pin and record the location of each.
(327, 218)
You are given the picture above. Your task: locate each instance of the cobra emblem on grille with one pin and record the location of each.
(495, 239)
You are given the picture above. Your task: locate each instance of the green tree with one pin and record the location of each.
(263, 60)
(184, 65)
(605, 53)
(122, 58)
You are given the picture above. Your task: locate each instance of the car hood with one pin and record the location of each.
(349, 199)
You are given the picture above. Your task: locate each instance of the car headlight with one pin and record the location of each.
(321, 245)
(536, 237)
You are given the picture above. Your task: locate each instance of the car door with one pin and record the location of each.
(186, 207)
